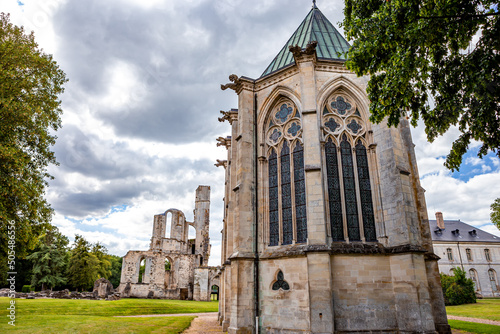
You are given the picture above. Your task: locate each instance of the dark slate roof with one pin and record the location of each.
(315, 27)
(465, 232)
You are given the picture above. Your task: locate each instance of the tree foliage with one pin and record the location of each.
(458, 289)
(116, 270)
(421, 50)
(50, 259)
(30, 83)
(87, 263)
(495, 212)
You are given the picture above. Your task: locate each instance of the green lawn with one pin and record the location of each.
(472, 327)
(484, 309)
(97, 316)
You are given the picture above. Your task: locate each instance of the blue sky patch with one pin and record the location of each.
(472, 165)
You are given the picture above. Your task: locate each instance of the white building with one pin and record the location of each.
(465, 246)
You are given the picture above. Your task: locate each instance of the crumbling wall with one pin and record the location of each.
(183, 255)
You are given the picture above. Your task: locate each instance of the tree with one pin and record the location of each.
(457, 289)
(421, 50)
(495, 212)
(50, 259)
(116, 270)
(104, 260)
(30, 83)
(83, 265)
(88, 262)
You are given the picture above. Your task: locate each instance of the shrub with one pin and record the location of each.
(27, 288)
(458, 289)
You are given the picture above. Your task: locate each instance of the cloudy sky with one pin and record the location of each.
(141, 108)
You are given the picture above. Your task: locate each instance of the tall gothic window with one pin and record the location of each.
(287, 196)
(350, 204)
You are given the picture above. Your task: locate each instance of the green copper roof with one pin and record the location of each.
(315, 27)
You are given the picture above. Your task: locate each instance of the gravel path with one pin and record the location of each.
(204, 324)
(481, 321)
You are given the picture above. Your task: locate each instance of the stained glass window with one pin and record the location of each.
(294, 129)
(284, 112)
(354, 126)
(335, 202)
(273, 200)
(351, 205)
(300, 193)
(341, 105)
(365, 192)
(286, 195)
(332, 125)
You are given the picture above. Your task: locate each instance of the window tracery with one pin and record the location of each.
(287, 205)
(350, 202)
(280, 282)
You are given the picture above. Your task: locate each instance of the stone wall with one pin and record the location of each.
(185, 256)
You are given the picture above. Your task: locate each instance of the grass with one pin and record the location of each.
(97, 316)
(472, 327)
(484, 309)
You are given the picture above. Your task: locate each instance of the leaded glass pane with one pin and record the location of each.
(365, 192)
(300, 193)
(341, 105)
(274, 232)
(354, 126)
(349, 190)
(286, 195)
(283, 113)
(335, 202)
(294, 129)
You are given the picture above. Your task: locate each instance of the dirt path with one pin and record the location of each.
(204, 324)
(481, 321)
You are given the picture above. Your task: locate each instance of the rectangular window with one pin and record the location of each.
(469, 254)
(487, 255)
(450, 254)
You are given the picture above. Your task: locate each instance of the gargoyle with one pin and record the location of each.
(221, 163)
(225, 116)
(234, 82)
(296, 50)
(311, 47)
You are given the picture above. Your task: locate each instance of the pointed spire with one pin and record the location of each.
(331, 44)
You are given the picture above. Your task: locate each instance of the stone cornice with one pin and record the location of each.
(343, 248)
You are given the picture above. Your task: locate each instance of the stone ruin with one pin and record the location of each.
(175, 267)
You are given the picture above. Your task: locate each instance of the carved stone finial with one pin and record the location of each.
(235, 80)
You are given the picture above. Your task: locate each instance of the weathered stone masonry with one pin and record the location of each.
(189, 276)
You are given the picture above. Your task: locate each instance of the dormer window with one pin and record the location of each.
(473, 233)
(456, 232)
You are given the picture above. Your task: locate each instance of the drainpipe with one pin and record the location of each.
(460, 256)
(256, 220)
